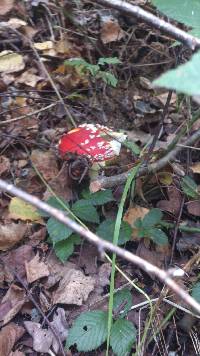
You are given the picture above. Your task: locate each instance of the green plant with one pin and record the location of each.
(89, 330)
(96, 70)
(150, 225)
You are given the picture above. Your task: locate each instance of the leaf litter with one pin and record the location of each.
(81, 281)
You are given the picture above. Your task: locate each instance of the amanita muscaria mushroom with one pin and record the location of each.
(98, 143)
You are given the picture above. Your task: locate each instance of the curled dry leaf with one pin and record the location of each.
(132, 214)
(16, 297)
(11, 234)
(195, 168)
(59, 324)
(9, 335)
(42, 338)
(11, 62)
(46, 163)
(111, 31)
(173, 204)
(29, 78)
(153, 257)
(74, 288)
(36, 269)
(4, 164)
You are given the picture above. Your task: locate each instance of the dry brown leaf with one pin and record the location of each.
(42, 338)
(153, 257)
(11, 234)
(59, 324)
(111, 31)
(29, 78)
(195, 168)
(36, 269)
(173, 204)
(132, 214)
(61, 185)
(4, 164)
(11, 62)
(6, 6)
(9, 335)
(57, 270)
(193, 207)
(46, 163)
(16, 297)
(74, 288)
(44, 46)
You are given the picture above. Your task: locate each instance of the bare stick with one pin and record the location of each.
(109, 182)
(164, 276)
(179, 35)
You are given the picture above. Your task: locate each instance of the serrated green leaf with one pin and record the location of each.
(108, 78)
(109, 60)
(57, 231)
(65, 248)
(152, 218)
(158, 236)
(189, 187)
(89, 331)
(123, 336)
(99, 198)
(184, 79)
(132, 146)
(53, 201)
(86, 211)
(122, 302)
(185, 11)
(76, 62)
(106, 231)
(196, 292)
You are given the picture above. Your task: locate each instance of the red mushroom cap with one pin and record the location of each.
(88, 140)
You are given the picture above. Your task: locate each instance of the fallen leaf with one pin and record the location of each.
(36, 269)
(43, 46)
(132, 214)
(45, 163)
(195, 168)
(11, 62)
(193, 207)
(11, 234)
(88, 258)
(17, 353)
(4, 164)
(19, 209)
(42, 338)
(59, 324)
(16, 296)
(9, 335)
(16, 23)
(6, 6)
(173, 204)
(111, 31)
(61, 185)
(157, 259)
(74, 288)
(29, 78)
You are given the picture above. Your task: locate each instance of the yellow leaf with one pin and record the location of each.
(19, 209)
(43, 46)
(11, 62)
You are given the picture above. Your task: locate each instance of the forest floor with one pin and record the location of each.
(50, 276)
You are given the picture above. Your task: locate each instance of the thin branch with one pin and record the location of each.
(173, 31)
(109, 182)
(164, 276)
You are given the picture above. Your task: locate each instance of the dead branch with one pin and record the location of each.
(109, 182)
(173, 31)
(164, 276)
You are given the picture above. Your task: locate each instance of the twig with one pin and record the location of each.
(164, 276)
(109, 182)
(179, 35)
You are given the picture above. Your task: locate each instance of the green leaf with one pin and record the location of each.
(123, 335)
(76, 62)
(122, 302)
(99, 198)
(184, 79)
(106, 231)
(85, 210)
(189, 187)
(57, 231)
(53, 201)
(65, 248)
(108, 78)
(89, 331)
(158, 236)
(185, 11)
(132, 146)
(109, 60)
(196, 292)
(152, 218)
